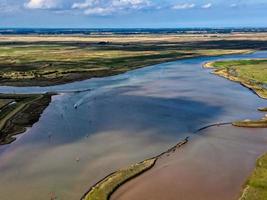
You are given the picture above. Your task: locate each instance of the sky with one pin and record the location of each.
(132, 13)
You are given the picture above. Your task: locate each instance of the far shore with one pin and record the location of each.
(65, 59)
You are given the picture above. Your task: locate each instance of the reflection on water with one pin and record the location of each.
(81, 137)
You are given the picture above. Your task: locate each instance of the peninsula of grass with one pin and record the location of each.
(104, 189)
(46, 60)
(262, 123)
(250, 73)
(256, 187)
(18, 112)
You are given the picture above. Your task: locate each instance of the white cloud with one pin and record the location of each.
(42, 4)
(106, 7)
(83, 5)
(183, 6)
(206, 6)
(234, 5)
(98, 11)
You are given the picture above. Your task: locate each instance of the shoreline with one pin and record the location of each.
(260, 92)
(24, 115)
(169, 172)
(206, 65)
(85, 76)
(256, 183)
(167, 153)
(100, 185)
(255, 88)
(75, 77)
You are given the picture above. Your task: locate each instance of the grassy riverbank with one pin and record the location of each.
(250, 73)
(18, 112)
(50, 60)
(261, 123)
(256, 187)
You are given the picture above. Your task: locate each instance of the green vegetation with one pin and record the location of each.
(104, 189)
(48, 60)
(256, 188)
(262, 123)
(250, 73)
(18, 112)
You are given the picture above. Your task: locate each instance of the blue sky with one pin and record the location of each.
(132, 13)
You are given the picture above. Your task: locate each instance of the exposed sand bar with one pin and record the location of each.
(214, 166)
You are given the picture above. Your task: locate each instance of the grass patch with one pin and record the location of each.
(257, 184)
(104, 189)
(262, 123)
(250, 73)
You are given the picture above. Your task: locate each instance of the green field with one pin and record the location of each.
(44, 60)
(250, 70)
(250, 73)
(64, 63)
(257, 184)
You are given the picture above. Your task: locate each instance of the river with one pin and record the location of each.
(114, 122)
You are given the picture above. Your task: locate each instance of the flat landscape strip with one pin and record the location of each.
(256, 188)
(44, 63)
